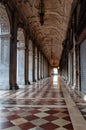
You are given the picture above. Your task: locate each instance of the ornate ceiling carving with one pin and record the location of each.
(57, 13)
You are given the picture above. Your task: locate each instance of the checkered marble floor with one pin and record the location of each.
(80, 102)
(41, 106)
(21, 118)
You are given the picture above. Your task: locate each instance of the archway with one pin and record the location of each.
(4, 48)
(20, 57)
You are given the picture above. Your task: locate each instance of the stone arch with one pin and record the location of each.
(4, 47)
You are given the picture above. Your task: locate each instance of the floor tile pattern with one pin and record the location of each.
(80, 102)
(40, 106)
(36, 118)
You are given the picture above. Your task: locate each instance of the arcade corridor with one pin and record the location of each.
(45, 105)
(42, 64)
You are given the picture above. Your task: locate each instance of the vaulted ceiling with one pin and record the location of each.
(50, 36)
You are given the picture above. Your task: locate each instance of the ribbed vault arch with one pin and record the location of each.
(56, 20)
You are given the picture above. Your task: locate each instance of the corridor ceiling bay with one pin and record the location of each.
(50, 36)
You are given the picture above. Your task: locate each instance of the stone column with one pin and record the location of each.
(74, 63)
(13, 53)
(26, 60)
(43, 66)
(49, 71)
(0, 43)
(69, 68)
(33, 63)
(78, 67)
(40, 65)
(37, 64)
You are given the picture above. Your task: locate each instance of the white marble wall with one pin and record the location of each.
(20, 66)
(4, 63)
(20, 57)
(4, 48)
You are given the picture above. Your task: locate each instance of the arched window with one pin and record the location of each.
(20, 57)
(4, 48)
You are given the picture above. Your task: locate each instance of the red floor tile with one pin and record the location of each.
(49, 126)
(5, 125)
(69, 127)
(27, 126)
(50, 118)
(13, 117)
(31, 117)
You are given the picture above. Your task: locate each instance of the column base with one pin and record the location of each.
(68, 83)
(27, 83)
(14, 87)
(35, 80)
(74, 86)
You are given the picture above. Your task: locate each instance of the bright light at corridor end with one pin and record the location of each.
(58, 67)
(55, 75)
(84, 98)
